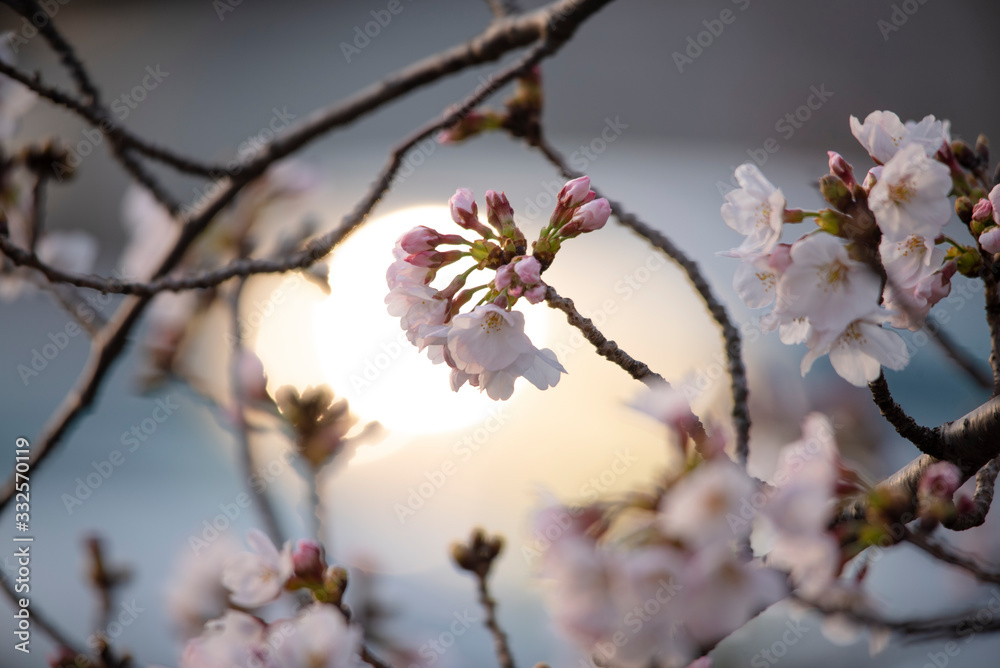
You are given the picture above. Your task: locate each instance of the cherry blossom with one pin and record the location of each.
(318, 638)
(883, 135)
(990, 240)
(911, 197)
(697, 509)
(824, 285)
(258, 577)
(916, 279)
(756, 210)
(858, 352)
(235, 639)
(195, 593)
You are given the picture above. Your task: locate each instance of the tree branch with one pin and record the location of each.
(730, 334)
(927, 440)
(556, 23)
(981, 500)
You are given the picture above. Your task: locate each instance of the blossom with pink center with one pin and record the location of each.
(859, 351)
(824, 285)
(911, 197)
(318, 637)
(698, 508)
(883, 135)
(235, 639)
(487, 339)
(258, 577)
(756, 210)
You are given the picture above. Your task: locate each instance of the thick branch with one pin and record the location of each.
(730, 334)
(927, 440)
(982, 499)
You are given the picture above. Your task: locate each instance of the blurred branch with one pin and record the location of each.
(948, 556)
(246, 458)
(730, 334)
(981, 500)
(477, 557)
(554, 24)
(960, 357)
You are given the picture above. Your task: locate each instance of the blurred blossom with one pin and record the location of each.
(257, 577)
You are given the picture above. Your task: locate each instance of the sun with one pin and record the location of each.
(363, 353)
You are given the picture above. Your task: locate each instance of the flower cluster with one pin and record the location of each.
(668, 574)
(875, 258)
(487, 346)
(317, 637)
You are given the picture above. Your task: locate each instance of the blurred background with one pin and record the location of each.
(656, 119)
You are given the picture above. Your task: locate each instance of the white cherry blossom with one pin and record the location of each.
(235, 639)
(824, 285)
(258, 577)
(756, 210)
(883, 135)
(698, 507)
(858, 352)
(319, 638)
(911, 197)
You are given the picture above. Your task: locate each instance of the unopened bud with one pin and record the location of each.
(964, 208)
(841, 169)
(831, 221)
(499, 212)
(963, 154)
(835, 191)
(308, 561)
(587, 218)
(983, 210)
(433, 259)
(465, 212)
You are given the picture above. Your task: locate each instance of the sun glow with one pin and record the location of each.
(363, 353)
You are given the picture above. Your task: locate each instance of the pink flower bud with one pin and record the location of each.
(529, 270)
(940, 480)
(308, 561)
(983, 210)
(505, 275)
(419, 239)
(574, 192)
(990, 239)
(432, 259)
(515, 290)
(499, 212)
(587, 218)
(536, 294)
(463, 206)
(994, 198)
(841, 169)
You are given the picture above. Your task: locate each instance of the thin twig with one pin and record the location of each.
(972, 367)
(500, 644)
(949, 556)
(246, 458)
(605, 348)
(730, 334)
